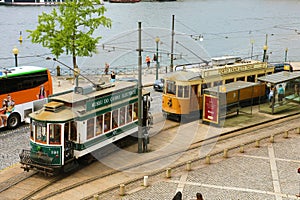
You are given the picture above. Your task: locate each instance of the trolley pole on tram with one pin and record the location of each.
(140, 128)
(172, 44)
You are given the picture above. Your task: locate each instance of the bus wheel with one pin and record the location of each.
(13, 121)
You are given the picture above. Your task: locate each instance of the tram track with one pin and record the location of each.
(251, 132)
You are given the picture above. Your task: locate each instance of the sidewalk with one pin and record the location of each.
(63, 83)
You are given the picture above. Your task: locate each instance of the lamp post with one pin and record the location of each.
(157, 63)
(252, 42)
(265, 48)
(15, 52)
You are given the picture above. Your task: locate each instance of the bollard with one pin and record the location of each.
(188, 166)
(168, 173)
(122, 190)
(58, 83)
(96, 197)
(299, 130)
(272, 138)
(225, 154)
(286, 134)
(146, 181)
(242, 148)
(207, 159)
(257, 143)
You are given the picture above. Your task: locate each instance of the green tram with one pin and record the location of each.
(77, 122)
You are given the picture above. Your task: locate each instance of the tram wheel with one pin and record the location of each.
(13, 121)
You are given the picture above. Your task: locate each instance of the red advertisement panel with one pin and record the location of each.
(211, 109)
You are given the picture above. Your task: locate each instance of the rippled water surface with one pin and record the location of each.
(227, 27)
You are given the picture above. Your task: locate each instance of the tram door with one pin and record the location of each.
(194, 101)
(68, 145)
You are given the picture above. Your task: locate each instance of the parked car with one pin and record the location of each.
(158, 85)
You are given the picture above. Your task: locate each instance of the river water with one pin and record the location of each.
(228, 27)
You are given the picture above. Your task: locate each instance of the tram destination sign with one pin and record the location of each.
(109, 99)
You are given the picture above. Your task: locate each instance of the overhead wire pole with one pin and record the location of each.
(172, 44)
(140, 128)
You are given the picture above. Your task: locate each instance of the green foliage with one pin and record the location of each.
(70, 28)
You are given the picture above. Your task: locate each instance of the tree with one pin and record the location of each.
(69, 29)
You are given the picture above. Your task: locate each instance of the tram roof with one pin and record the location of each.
(73, 97)
(183, 75)
(229, 87)
(279, 77)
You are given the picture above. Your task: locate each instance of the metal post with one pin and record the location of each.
(265, 49)
(140, 130)
(157, 63)
(285, 57)
(172, 44)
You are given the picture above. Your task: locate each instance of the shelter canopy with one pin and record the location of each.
(279, 77)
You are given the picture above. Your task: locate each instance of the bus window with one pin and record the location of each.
(122, 116)
(251, 78)
(229, 80)
(180, 91)
(99, 124)
(40, 134)
(240, 78)
(186, 91)
(90, 128)
(171, 87)
(135, 111)
(73, 135)
(115, 116)
(54, 133)
(129, 114)
(107, 117)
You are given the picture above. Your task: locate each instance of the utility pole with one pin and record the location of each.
(172, 44)
(140, 128)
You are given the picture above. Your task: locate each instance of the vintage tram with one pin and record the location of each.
(183, 88)
(75, 123)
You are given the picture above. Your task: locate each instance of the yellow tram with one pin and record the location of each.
(183, 88)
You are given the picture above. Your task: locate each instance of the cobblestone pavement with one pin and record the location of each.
(266, 173)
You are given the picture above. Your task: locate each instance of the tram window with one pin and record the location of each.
(135, 111)
(251, 78)
(54, 133)
(90, 128)
(31, 132)
(122, 116)
(203, 87)
(115, 115)
(229, 80)
(208, 85)
(260, 75)
(107, 117)
(180, 91)
(186, 91)
(171, 87)
(99, 125)
(40, 134)
(240, 78)
(73, 135)
(129, 114)
(216, 83)
(67, 130)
